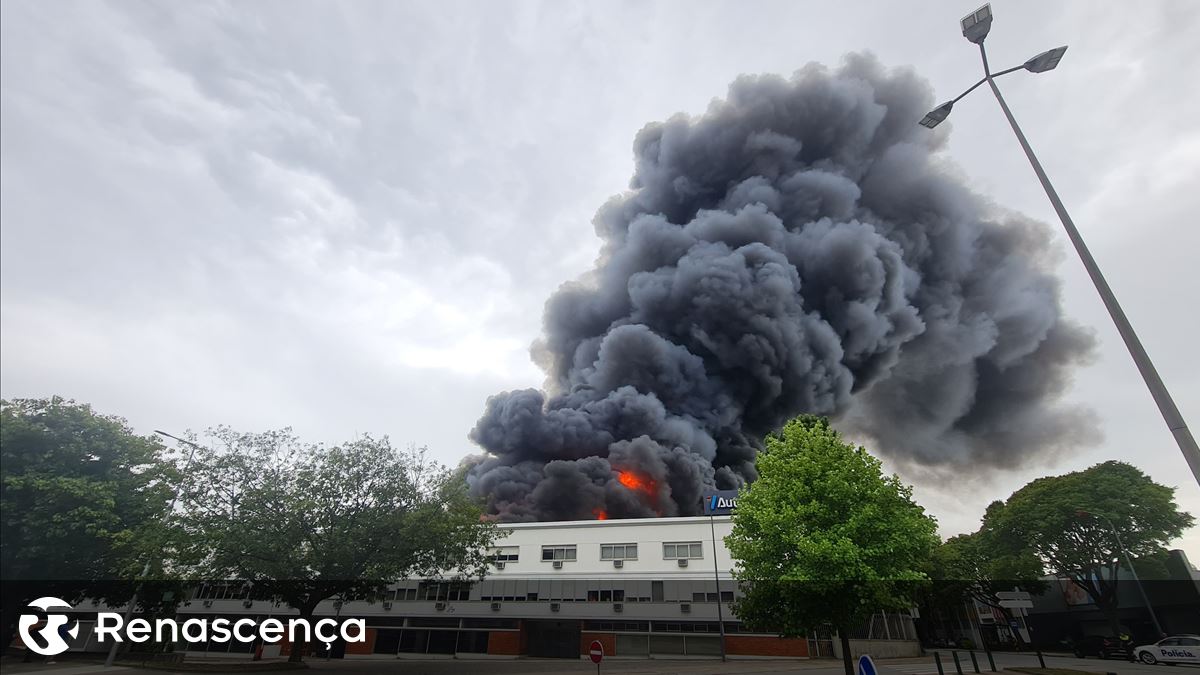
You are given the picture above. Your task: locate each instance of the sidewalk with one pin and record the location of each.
(69, 667)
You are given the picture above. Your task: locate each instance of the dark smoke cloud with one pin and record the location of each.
(794, 249)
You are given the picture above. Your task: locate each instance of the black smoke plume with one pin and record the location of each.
(797, 248)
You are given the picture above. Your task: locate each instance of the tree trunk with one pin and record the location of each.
(847, 660)
(306, 613)
(12, 610)
(1114, 621)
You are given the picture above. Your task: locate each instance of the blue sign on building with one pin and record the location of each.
(720, 503)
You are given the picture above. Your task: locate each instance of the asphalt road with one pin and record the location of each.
(921, 666)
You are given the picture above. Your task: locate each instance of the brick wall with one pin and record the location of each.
(507, 643)
(752, 645)
(607, 639)
(367, 647)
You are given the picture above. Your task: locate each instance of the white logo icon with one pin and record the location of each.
(52, 633)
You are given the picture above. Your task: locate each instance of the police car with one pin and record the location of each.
(1175, 649)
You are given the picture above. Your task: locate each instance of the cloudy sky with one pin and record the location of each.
(345, 217)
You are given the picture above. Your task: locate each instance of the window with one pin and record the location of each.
(609, 626)
(618, 551)
(682, 550)
(558, 552)
(433, 590)
(685, 627)
(506, 554)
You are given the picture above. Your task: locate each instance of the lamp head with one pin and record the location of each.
(975, 26)
(937, 115)
(1047, 60)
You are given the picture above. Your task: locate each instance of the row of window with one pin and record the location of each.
(662, 626)
(603, 590)
(553, 590)
(673, 550)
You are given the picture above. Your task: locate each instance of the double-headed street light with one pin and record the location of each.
(975, 27)
(112, 651)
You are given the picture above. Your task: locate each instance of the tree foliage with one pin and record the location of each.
(824, 537)
(307, 522)
(977, 566)
(1064, 521)
(81, 499)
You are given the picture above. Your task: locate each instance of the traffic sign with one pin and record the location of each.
(866, 666)
(1015, 604)
(596, 652)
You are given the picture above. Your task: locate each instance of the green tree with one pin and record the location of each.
(81, 499)
(976, 566)
(307, 522)
(824, 537)
(1064, 520)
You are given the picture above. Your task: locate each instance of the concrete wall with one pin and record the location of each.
(879, 649)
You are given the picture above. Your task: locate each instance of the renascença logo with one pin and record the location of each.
(53, 634)
(110, 626)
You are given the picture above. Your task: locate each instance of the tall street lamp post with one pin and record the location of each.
(112, 651)
(975, 27)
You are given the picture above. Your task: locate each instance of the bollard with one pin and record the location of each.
(974, 662)
(957, 665)
(991, 661)
(1040, 659)
(937, 658)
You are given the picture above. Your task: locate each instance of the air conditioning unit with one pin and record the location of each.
(208, 603)
(247, 604)
(554, 606)
(618, 564)
(682, 562)
(685, 607)
(618, 607)
(558, 564)
(495, 607)
(387, 605)
(499, 565)
(439, 606)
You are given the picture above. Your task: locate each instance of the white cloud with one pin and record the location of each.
(347, 217)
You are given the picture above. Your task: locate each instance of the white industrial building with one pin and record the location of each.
(642, 587)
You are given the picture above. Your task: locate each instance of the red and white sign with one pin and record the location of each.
(596, 651)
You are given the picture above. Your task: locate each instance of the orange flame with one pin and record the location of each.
(635, 482)
(638, 483)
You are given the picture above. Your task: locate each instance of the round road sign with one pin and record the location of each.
(596, 651)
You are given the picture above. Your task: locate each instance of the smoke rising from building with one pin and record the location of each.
(797, 248)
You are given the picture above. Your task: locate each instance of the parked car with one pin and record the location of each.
(1174, 649)
(1098, 645)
